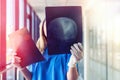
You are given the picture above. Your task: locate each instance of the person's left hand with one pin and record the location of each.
(77, 54)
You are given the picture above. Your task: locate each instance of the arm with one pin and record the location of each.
(26, 73)
(72, 73)
(77, 54)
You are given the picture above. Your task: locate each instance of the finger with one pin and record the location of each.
(77, 50)
(80, 46)
(73, 49)
(77, 56)
(16, 57)
(76, 47)
(72, 52)
(17, 60)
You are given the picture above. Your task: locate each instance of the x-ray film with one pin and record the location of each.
(64, 28)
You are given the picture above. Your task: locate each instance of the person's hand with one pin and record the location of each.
(77, 54)
(16, 61)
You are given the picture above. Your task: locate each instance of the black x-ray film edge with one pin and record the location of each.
(27, 50)
(72, 12)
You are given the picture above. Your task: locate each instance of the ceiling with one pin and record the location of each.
(39, 5)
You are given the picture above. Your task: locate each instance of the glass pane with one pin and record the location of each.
(10, 27)
(97, 68)
(104, 42)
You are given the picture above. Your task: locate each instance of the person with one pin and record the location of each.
(54, 67)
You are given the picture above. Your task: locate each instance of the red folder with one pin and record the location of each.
(25, 47)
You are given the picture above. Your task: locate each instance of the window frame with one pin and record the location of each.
(3, 36)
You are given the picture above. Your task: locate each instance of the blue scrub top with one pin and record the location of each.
(54, 67)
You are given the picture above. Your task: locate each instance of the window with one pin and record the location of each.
(103, 42)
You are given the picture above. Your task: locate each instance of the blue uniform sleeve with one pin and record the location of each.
(32, 67)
